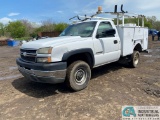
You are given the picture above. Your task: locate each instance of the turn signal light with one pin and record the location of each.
(49, 59)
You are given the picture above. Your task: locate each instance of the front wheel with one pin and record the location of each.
(135, 58)
(78, 75)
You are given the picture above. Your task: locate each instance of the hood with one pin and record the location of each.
(51, 42)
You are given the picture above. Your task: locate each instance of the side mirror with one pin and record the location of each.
(97, 36)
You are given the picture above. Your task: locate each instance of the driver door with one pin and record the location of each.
(107, 46)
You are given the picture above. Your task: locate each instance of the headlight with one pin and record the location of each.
(44, 59)
(47, 50)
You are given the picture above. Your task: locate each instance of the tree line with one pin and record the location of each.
(24, 29)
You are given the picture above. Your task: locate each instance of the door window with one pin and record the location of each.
(103, 27)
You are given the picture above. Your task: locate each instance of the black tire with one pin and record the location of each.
(78, 75)
(135, 59)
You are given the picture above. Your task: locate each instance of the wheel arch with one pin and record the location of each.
(85, 54)
(138, 47)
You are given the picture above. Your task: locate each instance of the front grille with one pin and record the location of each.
(28, 51)
(29, 59)
(28, 55)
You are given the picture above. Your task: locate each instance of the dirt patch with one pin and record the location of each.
(111, 87)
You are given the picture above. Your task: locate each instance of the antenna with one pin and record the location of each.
(122, 9)
(115, 9)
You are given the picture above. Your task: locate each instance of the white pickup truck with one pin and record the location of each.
(81, 47)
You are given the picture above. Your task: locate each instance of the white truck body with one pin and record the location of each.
(71, 56)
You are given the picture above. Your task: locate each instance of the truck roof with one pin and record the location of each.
(76, 22)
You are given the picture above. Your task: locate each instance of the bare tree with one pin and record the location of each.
(157, 25)
(152, 20)
(48, 25)
(29, 27)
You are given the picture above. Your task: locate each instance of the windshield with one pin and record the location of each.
(84, 29)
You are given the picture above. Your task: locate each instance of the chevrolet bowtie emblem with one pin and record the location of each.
(24, 54)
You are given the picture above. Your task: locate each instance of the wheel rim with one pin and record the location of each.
(136, 59)
(80, 76)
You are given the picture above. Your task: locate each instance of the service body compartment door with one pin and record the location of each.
(127, 39)
(145, 41)
(107, 47)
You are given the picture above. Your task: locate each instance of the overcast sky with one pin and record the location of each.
(62, 10)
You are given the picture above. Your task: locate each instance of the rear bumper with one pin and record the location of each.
(43, 72)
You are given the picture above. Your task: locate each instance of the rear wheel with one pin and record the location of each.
(78, 75)
(135, 59)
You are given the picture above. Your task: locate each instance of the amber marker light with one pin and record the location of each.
(99, 9)
(49, 59)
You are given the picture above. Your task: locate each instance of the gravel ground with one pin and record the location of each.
(111, 87)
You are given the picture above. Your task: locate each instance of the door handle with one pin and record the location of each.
(115, 41)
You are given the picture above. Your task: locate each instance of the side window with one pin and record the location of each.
(103, 27)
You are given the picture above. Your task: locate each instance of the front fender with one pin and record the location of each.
(58, 52)
(79, 51)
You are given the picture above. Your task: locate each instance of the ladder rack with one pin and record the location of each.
(119, 15)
